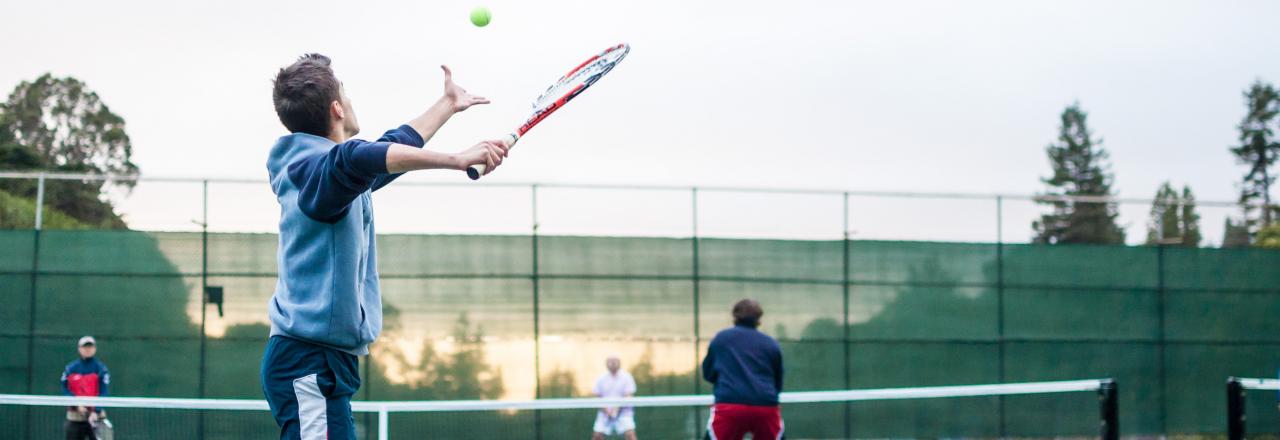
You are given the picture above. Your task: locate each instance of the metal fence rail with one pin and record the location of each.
(998, 200)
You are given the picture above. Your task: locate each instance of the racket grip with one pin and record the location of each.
(475, 171)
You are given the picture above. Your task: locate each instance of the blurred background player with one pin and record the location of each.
(611, 420)
(86, 376)
(745, 368)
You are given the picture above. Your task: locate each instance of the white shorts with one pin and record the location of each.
(618, 426)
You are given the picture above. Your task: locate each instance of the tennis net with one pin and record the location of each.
(1237, 402)
(656, 416)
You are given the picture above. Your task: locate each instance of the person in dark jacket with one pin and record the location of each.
(745, 368)
(86, 376)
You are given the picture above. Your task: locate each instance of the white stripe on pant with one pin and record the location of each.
(313, 422)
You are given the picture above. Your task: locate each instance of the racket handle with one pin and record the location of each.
(475, 171)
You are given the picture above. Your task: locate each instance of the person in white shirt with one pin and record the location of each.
(610, 420)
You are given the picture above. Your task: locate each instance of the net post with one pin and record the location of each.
(1109, 408)
(382, 423)
(1235, 409)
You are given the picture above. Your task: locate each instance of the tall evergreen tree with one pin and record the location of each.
(1163, 224)
(1174, 218)
(1079, 169)
(1258, 150)
(1190, 219)
(1234, 234)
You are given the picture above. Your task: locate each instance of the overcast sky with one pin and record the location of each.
(950, 96)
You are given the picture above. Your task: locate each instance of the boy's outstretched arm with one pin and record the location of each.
(403, 158)
(454, 100)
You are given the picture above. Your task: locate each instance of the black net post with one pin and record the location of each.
(1109, 406)
(1235, 409)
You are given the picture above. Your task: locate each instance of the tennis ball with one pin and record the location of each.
(480, 16)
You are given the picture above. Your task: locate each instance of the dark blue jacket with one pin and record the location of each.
(745, 366)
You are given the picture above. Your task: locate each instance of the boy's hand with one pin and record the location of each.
(456, 96)
(487, 153)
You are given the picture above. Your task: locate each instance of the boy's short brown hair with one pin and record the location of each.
(302, 93)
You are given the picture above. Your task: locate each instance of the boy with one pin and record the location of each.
(327, 308)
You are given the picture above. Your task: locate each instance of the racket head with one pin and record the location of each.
(574, 83)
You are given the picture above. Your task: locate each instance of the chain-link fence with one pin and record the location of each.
(513, 291)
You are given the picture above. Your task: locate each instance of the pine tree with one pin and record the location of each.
(1234, 234)
(1079, 169)
(1174, 219)
(1258, 150)
(1165, 212)
(1190, 219)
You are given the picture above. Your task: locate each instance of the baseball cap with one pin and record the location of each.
(87, 340)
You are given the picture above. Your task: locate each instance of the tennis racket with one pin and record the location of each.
(562, 91)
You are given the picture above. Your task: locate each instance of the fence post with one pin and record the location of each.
(1109, 408)
(40, 202)
(1235, 409)
(1000, 348)
(537, 336)
(697, 304)
(35, 280)
(844, 286)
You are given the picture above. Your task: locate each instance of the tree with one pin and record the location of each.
(1269, 237)
(1174, 217)
(1190, 219)
(1235, 234)
(1258, 149)
(58, 124)
(1079, 169)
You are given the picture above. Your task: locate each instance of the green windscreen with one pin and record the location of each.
(474, 316)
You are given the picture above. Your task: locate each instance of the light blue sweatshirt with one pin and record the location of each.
(327, 292)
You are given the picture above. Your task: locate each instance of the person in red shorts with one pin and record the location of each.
(745, 368)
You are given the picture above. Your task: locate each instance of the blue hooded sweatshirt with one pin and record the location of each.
(327, 292)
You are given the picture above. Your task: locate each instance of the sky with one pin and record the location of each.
(903, 96)
(936, 96)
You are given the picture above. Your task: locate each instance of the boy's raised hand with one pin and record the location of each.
(458, 97)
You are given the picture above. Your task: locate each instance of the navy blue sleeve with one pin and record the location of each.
(405, 135)
(327, 183)
(777, 366)
(104, 380)
(709, 363)
(65, 372)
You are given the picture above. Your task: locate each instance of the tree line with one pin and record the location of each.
(59, 124)
(1080, 168)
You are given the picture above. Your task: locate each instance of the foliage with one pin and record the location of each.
(59, 125)
(1174, 218)
(1258, 150)
(1079, 169)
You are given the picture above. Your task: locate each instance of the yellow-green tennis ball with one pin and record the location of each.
(480, 16)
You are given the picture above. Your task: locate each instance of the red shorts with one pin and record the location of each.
(731, 421)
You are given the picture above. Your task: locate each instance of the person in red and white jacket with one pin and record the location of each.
(86, 376)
